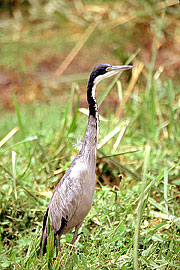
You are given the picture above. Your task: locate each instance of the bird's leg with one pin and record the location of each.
(59, 246)
(75, 235)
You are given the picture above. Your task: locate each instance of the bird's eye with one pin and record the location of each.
(108, 68)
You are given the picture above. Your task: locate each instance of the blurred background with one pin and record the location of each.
(49, 40)
(47, 51)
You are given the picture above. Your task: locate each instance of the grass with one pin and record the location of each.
(134, 221)
(106, 239)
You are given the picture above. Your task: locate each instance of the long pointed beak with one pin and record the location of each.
(120, 68)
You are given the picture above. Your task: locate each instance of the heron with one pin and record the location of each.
(73, 196)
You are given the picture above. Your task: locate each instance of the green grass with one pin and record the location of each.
(133, 225)
(106, 239)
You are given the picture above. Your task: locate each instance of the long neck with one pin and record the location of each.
(93, 108)
(92, 131)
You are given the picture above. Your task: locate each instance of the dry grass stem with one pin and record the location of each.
(59, 71)
(135, 75)
(9, 136)
(119, 21)
(14, 172)
(167, 3)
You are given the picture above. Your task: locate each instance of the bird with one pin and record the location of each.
(73, 196)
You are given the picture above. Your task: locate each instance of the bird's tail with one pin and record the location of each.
(43, 242)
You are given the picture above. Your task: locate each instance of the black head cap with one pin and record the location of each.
(98, 70)
(103, 71)
(99, 73)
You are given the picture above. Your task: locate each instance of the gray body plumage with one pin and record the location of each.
(73, 196)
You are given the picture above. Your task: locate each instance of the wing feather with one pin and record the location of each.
(64, 202)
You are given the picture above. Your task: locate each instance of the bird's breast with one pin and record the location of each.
(85, 179)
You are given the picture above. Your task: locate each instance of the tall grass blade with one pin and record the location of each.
(109, 136)
(120, 154)
(166, 189)
(151, 96)
(120, 94)
(74, 119)
(140, 207)
(109, 88)
(9, 136)
(119, 138)
(50, 245)
(80, 43)
(14, 172)
(29, 139)
(63, 130)
(67, 115)
(135, 75)
(119, 165)
(172, 123)
(71, 101)
(19, 118)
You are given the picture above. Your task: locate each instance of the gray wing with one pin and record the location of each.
(65, 201)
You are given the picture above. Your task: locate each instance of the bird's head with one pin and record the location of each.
(103, 71)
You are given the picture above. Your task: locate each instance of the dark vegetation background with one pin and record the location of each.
(47, 51)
